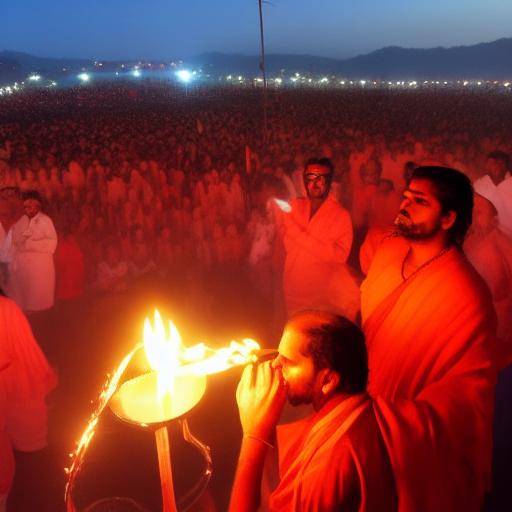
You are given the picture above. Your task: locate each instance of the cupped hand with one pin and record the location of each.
(261, 395)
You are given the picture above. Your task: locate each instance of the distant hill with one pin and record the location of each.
(485, 60)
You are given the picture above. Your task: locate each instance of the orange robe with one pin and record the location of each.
(334, 460)
(25, 379)
(430, 344)
(316, 275)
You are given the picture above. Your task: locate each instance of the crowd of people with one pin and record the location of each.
(145, 180)
(103, 187)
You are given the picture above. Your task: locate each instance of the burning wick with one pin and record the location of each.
(283, 205)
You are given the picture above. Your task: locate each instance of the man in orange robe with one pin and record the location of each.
(430, 331)
(333, 460)
(317, 240)
(25, 379)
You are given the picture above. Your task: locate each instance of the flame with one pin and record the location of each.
(283, 205)
(167, 356)
(238, 353)
(162, 352)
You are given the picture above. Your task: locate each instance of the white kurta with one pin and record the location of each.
(32, 268)
(316, 275)
(500, 196)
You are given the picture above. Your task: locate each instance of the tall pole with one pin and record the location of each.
(262, 67)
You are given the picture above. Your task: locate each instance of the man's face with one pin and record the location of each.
(316, 180)
(298, 370)
(495, 169)
(420, 216)
(31, 207)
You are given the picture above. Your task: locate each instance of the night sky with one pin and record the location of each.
(164, 29)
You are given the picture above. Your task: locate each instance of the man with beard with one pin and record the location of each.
(32, 269)
(430, 330)
(336, 458)
(317, 239)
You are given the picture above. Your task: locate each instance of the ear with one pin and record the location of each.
(448, 220)
(329, 381)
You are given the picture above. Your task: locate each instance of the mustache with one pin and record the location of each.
(404, 213)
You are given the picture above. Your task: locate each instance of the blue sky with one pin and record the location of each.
(118, 29)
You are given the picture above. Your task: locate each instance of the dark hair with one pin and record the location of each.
(454, 191)
(323, 161)
(32, 194)
(500, 156)
(338, 344)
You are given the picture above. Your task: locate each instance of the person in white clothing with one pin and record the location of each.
(496, 186)
(32, 270)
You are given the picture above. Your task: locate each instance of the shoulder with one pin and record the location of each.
(336, 209)
(9, 308)
(470, 283)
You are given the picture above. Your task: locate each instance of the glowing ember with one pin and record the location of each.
(283, 205)
(78, 455)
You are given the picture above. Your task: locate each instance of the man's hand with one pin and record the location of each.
(260, 395)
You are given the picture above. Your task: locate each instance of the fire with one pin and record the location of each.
(168, 356)
(162, 352)
(171, 360)
(203, 360)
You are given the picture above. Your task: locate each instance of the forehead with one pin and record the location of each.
(316, 169)
(292, 343)
(31, 202)
(421, 187)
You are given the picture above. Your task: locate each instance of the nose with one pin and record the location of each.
(405, 203)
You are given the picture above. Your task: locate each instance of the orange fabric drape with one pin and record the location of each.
(430, 342)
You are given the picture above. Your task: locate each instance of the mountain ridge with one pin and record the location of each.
(487, 60)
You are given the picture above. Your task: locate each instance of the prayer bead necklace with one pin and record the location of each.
(423, 265)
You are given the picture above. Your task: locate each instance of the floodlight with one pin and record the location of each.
(136, 73)
(84, 77)
(184, 75)
(34, 78)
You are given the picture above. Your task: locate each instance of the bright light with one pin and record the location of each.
(184, 75)
(279, 80)
(362, 82)
(34, 78)
(84, 77)
(342, 82)
(507, 84)
(136, 73)
(479, 83)
(229, 77)
(324, 80)
(465, 83)
(293, 78)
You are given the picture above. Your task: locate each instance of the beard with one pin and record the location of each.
(412, 231)
(300, 397)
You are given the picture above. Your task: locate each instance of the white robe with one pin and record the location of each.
(32, 268)
(500, 196)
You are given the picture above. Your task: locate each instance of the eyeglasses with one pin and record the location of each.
(313, 176)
